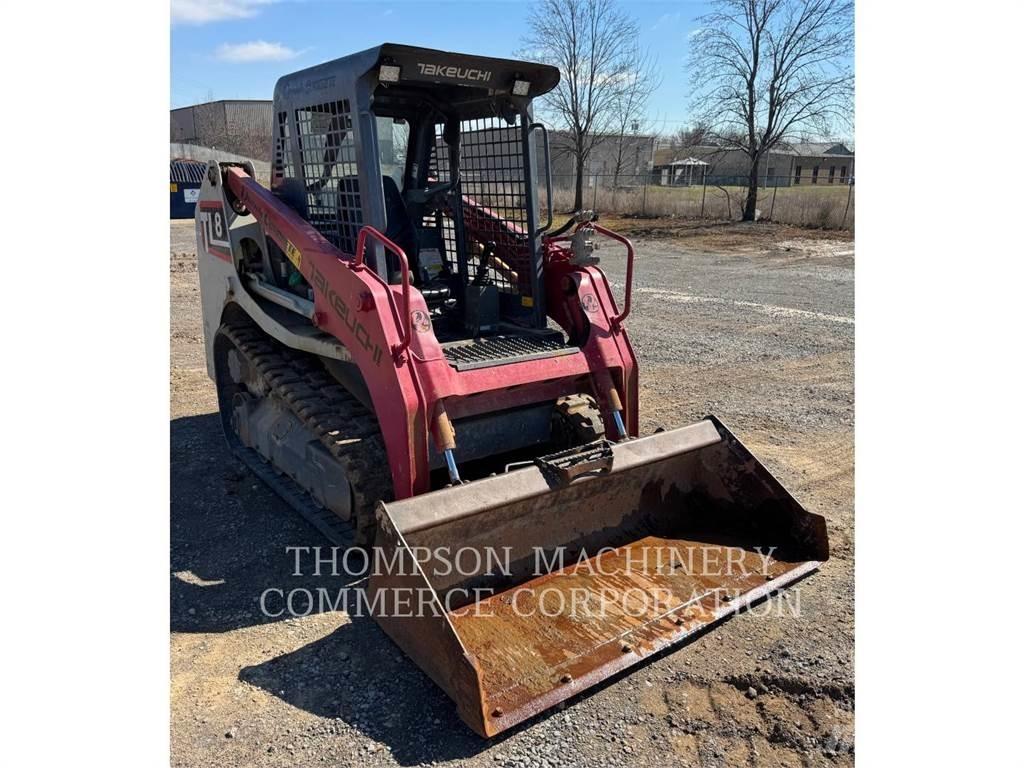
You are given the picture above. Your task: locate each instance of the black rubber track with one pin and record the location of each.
(345, 427)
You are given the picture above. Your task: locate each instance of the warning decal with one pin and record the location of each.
(294, 254)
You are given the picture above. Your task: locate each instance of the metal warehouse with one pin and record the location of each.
(243, 127)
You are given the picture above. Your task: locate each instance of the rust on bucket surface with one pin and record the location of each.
(537, 589)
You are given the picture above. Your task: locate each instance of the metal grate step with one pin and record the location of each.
(502, 350)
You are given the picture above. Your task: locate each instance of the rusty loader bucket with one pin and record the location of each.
(518, 591)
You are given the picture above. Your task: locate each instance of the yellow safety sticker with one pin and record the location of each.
(527, 301)
(174, 187)
(294, 255)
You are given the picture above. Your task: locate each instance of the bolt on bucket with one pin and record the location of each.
(515, 592)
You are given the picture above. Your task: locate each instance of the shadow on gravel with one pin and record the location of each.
(358, 675)
(229, 537)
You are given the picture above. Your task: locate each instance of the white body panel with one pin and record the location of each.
(219, 235)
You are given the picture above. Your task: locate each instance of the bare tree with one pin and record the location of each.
(591, 42)
(630, 110)
(210, 125)
(686, 137)
(765, 70)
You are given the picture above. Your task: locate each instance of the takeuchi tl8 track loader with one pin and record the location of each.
(412, 355)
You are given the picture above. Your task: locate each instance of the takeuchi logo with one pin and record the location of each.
(455, 73)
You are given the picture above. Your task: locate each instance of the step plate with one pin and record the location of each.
(503, 350)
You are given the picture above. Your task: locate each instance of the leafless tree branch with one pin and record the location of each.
(594, 45)
(763, 71)
(630, 105)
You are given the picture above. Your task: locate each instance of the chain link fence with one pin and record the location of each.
(797, 200)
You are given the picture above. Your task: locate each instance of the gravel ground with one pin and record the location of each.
(751, 323)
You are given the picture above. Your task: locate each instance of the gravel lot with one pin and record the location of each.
(751, 323)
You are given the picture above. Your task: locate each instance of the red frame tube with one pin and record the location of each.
(628, 298)
(358, 263)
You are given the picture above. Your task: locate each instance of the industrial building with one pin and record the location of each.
(626, 159)
(787, 165)
(242, 127)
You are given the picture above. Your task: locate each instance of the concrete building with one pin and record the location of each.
(243, 127)
(633, 169)
(786, 165)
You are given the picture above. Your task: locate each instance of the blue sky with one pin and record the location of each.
(236, 49)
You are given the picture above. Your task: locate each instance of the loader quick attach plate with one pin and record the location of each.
(538, 584)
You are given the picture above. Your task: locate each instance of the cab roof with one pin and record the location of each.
(418, 67)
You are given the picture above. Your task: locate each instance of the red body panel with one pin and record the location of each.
(408, 386)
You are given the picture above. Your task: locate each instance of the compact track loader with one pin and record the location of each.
(416, 359)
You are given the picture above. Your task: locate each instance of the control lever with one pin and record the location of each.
(432, 198)
(490, 247)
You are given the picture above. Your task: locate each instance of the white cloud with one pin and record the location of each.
(666, 20)
(257, 50)
(205, 11)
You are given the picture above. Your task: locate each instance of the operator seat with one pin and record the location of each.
(401, 230)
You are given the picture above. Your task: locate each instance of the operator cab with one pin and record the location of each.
(439, 152)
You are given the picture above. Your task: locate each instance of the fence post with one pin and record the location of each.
(643, 204)
(703, 194)
(775, 191)
(849, 195)
(597, 180)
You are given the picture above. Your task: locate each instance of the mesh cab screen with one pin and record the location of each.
(494, 202)
(327, 150)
